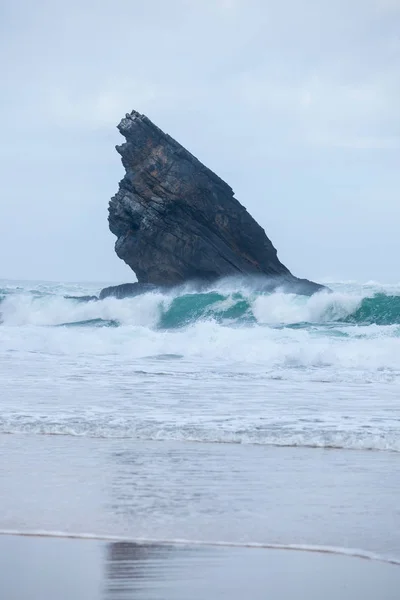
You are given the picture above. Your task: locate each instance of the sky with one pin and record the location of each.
(296, 104)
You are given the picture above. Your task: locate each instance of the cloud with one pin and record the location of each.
(292, 102)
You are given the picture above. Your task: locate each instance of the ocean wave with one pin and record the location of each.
(379, 309)
(179, 309)
(107, 427)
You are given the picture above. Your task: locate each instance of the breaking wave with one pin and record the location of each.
(107, 427)
(380, 310)
(232, 307)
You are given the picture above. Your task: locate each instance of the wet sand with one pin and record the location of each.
(48, 568)
(201, 492)
(224, 499)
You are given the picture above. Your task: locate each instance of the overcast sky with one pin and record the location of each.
(295, 103)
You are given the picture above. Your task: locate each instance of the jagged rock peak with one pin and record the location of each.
(176, 221)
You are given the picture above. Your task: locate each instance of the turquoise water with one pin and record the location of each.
(180, 309)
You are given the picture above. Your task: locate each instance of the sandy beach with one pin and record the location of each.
(201, 492)
(98, 533)
(42, 568)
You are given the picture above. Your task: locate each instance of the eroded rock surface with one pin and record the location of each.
(176, 221)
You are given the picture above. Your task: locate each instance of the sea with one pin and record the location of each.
(227, 417)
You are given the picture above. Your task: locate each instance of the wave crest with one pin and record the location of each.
(232, 307)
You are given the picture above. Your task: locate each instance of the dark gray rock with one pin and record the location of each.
(82, 298)
(176, 221)
(126, 290)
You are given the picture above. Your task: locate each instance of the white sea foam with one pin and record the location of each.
(323, 350)
(282, 308)
(109, 427)
(87, 381)
(26, 309)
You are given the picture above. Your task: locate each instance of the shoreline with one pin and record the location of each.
(89, 569)
(130, 439)
(211, 493)
(182, 543)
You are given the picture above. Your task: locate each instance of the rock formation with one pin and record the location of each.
(82, 298)
(176, 221)
(126, 290)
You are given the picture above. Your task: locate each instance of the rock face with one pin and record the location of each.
(126, 290)
(82, 298)
(177, 221)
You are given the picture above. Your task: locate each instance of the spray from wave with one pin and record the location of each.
(233, 307)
